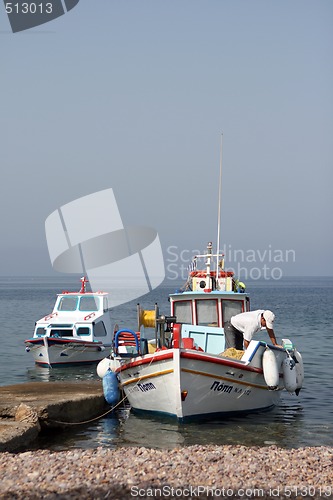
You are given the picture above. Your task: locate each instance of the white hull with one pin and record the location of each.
(78, 330)
(188, 384)
(188, 373)
(46, 352)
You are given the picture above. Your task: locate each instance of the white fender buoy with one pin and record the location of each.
(270, 369)
(111, 388)
(107, 364)
(299, 371)
(102, 367)
(289, 374)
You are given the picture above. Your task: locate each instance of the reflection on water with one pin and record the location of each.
(62, 374)
(285, 426)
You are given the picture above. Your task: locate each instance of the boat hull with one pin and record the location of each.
(191, 385)
(49, 352)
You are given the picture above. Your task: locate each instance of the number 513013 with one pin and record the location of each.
(28, 8)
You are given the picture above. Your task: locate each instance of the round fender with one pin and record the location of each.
(299, 371)
(289, 374)
(111, 388)
(102, 367)
(270, 369)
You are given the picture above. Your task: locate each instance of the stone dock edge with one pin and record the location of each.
(28, 408)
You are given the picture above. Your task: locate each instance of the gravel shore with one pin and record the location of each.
(190, 472)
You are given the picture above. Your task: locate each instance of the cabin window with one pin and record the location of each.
(56, 332)
(183, 311)
(40, 332)
(83, 330)
(231, 308)
(89, 304)
(105, 304)
(67, 304)
(99, 329)
(207, 313)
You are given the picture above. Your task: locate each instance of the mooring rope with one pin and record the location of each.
(103, 414)
(92, 419)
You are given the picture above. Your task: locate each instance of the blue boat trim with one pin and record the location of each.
(200, 417)
(66, 363)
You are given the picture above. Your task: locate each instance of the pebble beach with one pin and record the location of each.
(191, 472)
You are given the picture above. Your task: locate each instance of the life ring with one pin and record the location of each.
(49, 316)
(89, 316)
(203, 274)
(225, 274)
(198, 274)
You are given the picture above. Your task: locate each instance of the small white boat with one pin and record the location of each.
(185, 371)
(76, 332)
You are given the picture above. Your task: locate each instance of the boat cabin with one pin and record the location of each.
(209, 299)
(202, 315)
(211, 309)
(82, 315)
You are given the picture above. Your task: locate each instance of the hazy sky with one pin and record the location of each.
(134, 95)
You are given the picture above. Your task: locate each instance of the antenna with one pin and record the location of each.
(219, 213)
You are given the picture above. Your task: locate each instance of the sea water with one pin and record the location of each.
(304, 313)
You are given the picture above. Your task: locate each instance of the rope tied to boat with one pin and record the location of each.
(103, 414)
(92, 419)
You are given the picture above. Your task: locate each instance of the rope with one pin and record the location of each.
(92, 419)
(103, 414)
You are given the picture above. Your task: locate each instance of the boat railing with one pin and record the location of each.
(126, 343)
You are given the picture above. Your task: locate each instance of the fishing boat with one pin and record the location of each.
(77, 331)
(184, 371)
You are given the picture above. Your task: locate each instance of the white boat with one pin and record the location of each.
(185, 371)
(77, 331)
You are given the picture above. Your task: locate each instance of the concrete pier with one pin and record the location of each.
(28, 408)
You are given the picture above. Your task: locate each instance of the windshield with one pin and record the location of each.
(183, 311)
(76, 302)
(207, 312)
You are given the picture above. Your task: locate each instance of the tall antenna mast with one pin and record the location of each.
(219, 213)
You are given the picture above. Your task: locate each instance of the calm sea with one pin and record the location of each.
(304, 313)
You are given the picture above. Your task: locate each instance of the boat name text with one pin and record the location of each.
(149, 386)
(220, 387)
